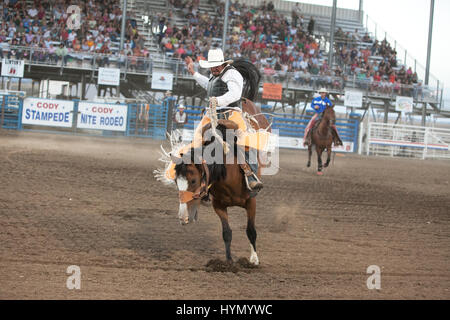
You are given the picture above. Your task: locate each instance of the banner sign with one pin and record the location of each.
(291, 143)
(12, 68)
(45, 112)
(162, 81)
(109, 76)
(102, 116)
(272, 91)
(353, 99)
(297, 143)
(404, 104)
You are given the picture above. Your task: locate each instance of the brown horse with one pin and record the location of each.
(221, 182)
(322, 138)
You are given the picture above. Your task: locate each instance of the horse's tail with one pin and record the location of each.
(251, 77)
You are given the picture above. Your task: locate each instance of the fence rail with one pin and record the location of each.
(407, 141)
(289, 80)
(84, 117)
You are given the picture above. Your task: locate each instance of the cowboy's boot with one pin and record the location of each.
(336, 139)
(307, 141)
(250, 169)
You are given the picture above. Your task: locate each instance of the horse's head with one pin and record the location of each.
(330, 115)
(191, 179)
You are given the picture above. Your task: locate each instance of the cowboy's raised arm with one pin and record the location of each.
(235, 84)
(201, 80)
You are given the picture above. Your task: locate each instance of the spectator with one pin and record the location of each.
(311, 26)
(61, 54)
(296, 13)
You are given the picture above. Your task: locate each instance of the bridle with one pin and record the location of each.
(201, 191)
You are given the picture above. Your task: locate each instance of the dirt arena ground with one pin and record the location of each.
(93, 202)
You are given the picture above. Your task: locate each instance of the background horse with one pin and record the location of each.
(322, 138)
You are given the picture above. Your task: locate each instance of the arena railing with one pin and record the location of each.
(145, 66)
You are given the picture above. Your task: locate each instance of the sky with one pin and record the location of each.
(407, 22)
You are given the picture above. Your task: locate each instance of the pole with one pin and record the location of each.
(361, 11)
(430, 35)
(225, 24)
(424, 114)
(333, 26)
(3, 110)
(124, 20)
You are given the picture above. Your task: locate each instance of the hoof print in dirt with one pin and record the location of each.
(244, 263)
(241, 265)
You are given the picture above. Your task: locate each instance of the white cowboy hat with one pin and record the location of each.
(323, 90)
(215, 58)
(181, 106)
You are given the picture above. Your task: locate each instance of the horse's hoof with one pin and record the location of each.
(308, 165)
(254, 259)
(319, 173)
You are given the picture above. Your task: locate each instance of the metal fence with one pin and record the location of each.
(385, 139)
(10, 110)
(142, 120)
(292, 126)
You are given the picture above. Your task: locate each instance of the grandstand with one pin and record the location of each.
(35, 31)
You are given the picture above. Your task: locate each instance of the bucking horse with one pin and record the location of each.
(222, 182)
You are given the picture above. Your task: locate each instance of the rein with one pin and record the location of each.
(324, 125)
(201, 191)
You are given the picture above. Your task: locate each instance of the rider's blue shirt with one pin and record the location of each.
(322, 103)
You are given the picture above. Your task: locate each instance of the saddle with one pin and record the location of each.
(316, 124)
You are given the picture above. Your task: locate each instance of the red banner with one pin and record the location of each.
(272, 91)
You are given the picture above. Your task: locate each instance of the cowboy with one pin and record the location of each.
(180, 118)
(224, 90)
(319, 104)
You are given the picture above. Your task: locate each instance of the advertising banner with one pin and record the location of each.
(102, 116)
(404, 104)
(12, 68)
(162, 81)
(272, 91)
(46, 112)
(109, 76)
(353, 99)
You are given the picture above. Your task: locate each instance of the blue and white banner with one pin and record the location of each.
(46, 112)
(102, 116)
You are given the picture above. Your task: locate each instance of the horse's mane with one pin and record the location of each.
(217, 171)
(331, 111)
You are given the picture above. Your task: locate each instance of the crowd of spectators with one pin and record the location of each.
(280, 47)
(374, 64)
(260, 34)
(60, 30)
